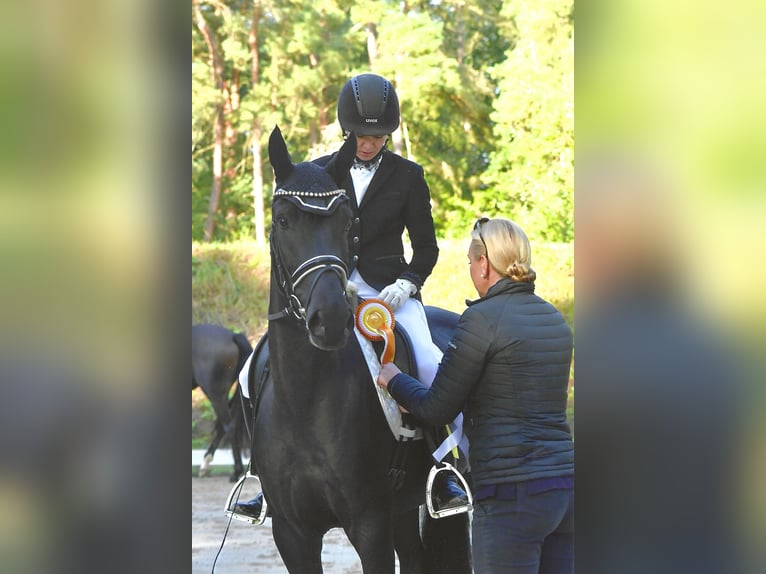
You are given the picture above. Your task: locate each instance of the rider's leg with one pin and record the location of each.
(447, 491)
(412, 316)
(253, 508)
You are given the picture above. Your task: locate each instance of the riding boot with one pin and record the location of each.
(447, 492)
(254, 508)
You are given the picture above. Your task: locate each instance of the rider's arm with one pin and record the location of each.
(420, 228)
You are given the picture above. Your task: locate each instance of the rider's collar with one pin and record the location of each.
(370, 165)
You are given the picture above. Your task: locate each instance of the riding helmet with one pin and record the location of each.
(368, 105)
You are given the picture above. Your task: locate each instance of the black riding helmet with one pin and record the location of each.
(368, 105)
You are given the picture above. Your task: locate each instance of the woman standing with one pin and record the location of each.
(507, 369)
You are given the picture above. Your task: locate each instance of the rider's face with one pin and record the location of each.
(367, 147)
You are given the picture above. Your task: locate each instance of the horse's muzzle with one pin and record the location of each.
(329, 329)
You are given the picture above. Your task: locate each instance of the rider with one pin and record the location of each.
(388, 193)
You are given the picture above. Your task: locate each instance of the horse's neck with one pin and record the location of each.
(294, 360)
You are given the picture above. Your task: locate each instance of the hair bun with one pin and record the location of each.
(520, 272)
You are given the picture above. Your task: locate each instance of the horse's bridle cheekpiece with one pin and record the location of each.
(320, 263)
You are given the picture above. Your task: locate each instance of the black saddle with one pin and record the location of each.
(404, 357)
(441, 324)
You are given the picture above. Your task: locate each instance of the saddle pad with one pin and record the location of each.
(387, 402)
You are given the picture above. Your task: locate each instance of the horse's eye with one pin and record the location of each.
(282, 222)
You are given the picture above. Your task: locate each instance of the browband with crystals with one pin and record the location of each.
(309, 193)
(336, 196)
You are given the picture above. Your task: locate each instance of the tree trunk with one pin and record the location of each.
(406, 137)
(398, 134)
(215, 191)
(216, 70)
(260, 225)
(372, 43)
(252, 41)
(460, 34)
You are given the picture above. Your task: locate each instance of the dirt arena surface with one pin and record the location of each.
(248, 548)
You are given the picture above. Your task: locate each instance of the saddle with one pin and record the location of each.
(440, 321)
(260, 367)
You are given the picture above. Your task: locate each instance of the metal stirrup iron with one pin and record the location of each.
(435, 470)
(233, 499)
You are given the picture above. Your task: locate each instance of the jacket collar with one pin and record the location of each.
(384, 171)
(504, 286)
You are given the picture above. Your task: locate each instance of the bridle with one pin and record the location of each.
(315, 266)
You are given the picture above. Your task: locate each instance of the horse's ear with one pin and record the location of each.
(279, 156)
(341, 163)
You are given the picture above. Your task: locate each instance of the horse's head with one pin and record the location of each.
(310, 220)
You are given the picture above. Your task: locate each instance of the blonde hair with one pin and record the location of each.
(507, 249)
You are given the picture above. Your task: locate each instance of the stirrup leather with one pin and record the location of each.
(233, 499)
(446, 467)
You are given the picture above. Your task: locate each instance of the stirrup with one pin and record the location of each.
(446, 467)
(233, 499)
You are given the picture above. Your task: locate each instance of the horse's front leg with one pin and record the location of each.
(409, 547)
(371, 534)
(301, 550)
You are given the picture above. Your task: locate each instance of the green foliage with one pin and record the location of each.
(485, 88)
(531, 174)
(230, 286)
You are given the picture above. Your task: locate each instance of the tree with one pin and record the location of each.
(256, 133)
(215, 67)
(484, 87)
(444, 97)
(531, 174)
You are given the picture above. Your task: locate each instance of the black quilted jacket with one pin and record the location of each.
(507, 368)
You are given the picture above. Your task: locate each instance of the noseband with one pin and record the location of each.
(315, 266)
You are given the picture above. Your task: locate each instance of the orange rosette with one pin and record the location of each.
(375, 320)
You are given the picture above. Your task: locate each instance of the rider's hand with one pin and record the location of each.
(397, 293)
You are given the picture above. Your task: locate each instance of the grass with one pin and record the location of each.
(230, 287)
(230, 282)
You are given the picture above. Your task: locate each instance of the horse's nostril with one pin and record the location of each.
(315, 322)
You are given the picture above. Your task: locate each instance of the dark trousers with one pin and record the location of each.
(530, 534)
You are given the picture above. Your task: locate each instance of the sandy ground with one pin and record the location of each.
(248, 548)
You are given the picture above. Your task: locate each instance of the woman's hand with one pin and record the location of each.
(387, 372)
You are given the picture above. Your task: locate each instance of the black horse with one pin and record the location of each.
(217, 357)
(321, 444)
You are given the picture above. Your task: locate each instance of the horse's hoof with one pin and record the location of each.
(203, 472)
